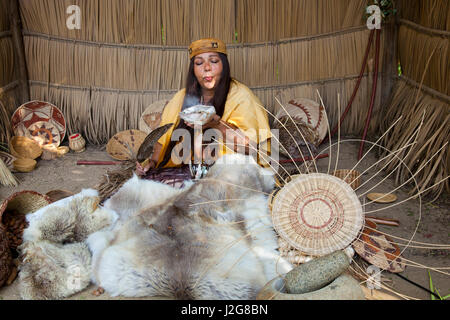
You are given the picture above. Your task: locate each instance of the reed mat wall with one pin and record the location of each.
(427, 13)
(178, 22)
(424, 55)
(9, 88)
(415, 48)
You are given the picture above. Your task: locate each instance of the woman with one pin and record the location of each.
(239, 118)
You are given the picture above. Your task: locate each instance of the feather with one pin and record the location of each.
(146, 149)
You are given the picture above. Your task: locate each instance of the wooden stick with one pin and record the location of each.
(303, 160)
(385, 221)
(100, 163)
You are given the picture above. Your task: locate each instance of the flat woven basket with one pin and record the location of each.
(317, 214)
(352, 177)
(378, 249)
(151, 117)
(125, 144)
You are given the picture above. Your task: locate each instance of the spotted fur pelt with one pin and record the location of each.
(211, 240)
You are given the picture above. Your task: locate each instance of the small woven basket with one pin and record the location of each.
(352, 177)
(24, 165)
(23, 147)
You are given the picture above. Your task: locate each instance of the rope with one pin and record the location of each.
(4, 34)
(9, 86)
(434, 93)
(183, 48)
(419, 28)
(152, 91)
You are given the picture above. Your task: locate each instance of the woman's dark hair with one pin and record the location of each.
(194, 90)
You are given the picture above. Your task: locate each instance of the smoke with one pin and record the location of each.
(189, 101)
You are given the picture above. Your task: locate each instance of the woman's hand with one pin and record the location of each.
(142, 171)
(215, 120)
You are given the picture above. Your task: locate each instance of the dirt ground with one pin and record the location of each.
(428, 223)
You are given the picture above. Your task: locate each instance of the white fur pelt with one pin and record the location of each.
(56, 262)
(211, 240)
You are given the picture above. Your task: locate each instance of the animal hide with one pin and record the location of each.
(211, 240)
(53, 271)
(56, 262)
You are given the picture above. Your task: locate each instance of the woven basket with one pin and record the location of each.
(381, 197)
(23, 147)
(22, 202)
(26, 201)
(306, 111)
(378, 249)
(352, 177)
(317, 214)
(125, 144)
(151, 118)
(24, 165)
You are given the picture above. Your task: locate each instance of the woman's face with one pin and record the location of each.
(208, 70)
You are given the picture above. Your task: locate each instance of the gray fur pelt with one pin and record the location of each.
(212, 240)
(56, 262)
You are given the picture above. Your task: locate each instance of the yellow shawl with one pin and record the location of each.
(242, 109)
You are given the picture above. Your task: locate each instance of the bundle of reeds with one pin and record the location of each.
(5, 124)
(428, 159)
(6, 177)
(112, 180)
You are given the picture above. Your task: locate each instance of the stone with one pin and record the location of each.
(315, 274)
(343, 287)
